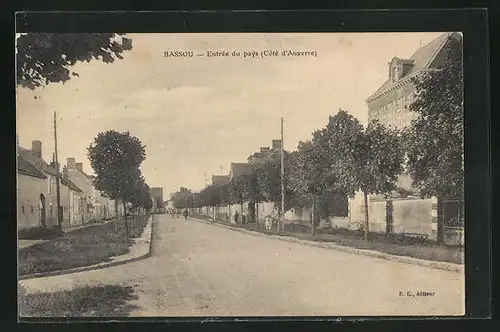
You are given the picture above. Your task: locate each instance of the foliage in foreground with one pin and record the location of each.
(43, 58)
(86, 301)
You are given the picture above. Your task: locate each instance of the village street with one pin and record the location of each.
(199, 269)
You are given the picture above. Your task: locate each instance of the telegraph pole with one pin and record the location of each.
(282, 181)
(58, 178)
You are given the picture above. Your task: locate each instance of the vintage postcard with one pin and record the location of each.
(240, 174)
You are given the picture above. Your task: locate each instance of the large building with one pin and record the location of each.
(390, 105)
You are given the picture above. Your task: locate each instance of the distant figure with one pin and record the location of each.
(236, 217)
(269, 223)
(243, 217)
(185, 214)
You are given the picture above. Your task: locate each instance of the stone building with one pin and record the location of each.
(36, 191)
(390, 105)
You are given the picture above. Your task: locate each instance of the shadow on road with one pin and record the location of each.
(86, 301)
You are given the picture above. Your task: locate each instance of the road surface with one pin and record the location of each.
(200, 269)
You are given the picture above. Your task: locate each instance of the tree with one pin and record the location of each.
(305, 176)
(356, 158)
(312, 179)
(141, 197)
(377, 161)
(183, 198)
(236, 190)
(44, 58)
(251, 191)
(268, 178)
(435, 139)
(115, 158)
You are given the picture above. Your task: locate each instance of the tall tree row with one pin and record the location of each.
(345, 157)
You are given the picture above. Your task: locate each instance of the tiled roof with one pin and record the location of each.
(220, 179)
(39, 163)
(71, 184)
(421, 59)
(239, 169)
(23, 166)
(30, 164)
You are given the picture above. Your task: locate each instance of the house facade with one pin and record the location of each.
(94, 205)
(37, 191)
(32, 196)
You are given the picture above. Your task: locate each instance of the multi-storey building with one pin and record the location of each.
(390, 105)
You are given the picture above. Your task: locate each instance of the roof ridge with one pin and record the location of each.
(438, 49)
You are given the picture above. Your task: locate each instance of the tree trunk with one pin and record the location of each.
(313, 217)
(126, 223)
(116, 208)
(133, 221)
(365, 195)
(389, 220)
(440, 221)
(241, 205)
(257, 214)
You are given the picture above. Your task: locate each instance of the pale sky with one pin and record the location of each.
(197, 114)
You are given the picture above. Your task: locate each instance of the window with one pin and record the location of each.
(32, 209)
(22, 209)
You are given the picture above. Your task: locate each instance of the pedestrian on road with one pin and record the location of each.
(269, 223)
(236, 217)
(185, 214)
(243, 217)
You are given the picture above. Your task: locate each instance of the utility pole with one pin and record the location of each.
(58, 178)
(280, 226)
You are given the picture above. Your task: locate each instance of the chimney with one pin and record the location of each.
(79, 166)
(71, 163)
(276, 144)
(36, 148)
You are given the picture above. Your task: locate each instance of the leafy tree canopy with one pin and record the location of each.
(43, 58)
(115, 158)
(435, 140)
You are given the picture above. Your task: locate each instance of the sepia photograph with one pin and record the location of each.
(240, 174)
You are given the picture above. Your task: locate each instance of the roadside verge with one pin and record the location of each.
(139, 250)
(459, 268)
